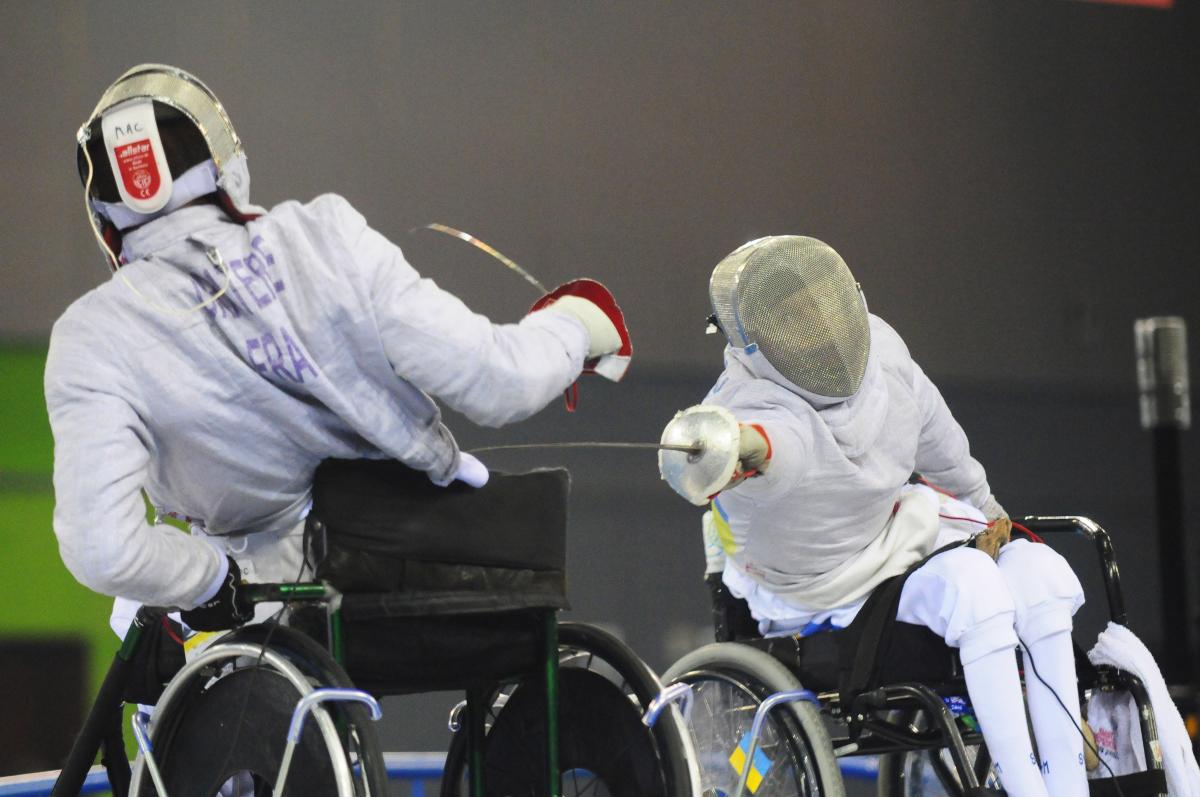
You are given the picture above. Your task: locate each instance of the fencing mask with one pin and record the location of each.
(794, 301)
(158, 139)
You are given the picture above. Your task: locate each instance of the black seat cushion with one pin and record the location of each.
(378, 527)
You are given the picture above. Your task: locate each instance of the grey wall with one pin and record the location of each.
(1013, 183)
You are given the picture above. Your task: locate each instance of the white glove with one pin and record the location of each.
(991, 509)
(754, 452)
(471, 471)
(603, 337)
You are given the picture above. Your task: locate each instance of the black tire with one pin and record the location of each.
(604, 749)
(729, 681)
(235, 724)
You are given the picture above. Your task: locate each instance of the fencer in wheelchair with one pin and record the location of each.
(813, 434)
(234, 350)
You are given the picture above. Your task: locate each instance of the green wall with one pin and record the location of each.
(40, 597)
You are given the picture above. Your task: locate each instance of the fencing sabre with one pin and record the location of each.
(690, 449)
(491, 250)
(696, 455)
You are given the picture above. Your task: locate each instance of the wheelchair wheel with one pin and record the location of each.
(604, 749)
(729, 681)
(224, 720)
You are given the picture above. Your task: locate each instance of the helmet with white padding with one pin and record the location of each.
(158, 139)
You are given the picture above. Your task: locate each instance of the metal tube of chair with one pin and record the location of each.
(760, 717)
(476, 716)
(1104, 549)
(550, 679)
(675, 693)
(143, 742)
(108, 700)
(941, 716)
(303, 708)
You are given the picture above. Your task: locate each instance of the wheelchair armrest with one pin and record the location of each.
(1077, 524)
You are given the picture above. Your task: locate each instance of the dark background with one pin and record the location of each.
(1013, 183)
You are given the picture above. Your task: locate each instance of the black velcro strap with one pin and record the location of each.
(870, 633)
(1136, 784)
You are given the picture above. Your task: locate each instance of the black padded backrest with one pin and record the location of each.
(517, 520)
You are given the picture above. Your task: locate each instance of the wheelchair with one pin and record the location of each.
(419, 588)
(774, 716)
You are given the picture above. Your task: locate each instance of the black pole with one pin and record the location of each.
(1179, 664)
(1165, 404)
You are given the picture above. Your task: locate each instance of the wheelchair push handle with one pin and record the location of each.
(1078, 524)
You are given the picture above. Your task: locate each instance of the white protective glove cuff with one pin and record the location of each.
(991, 508)
(215, 586)
(471, 471)
(603, 337)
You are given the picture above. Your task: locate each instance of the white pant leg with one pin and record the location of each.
(1045, 590)
(961, 596)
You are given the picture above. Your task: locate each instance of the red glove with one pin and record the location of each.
(611, 364)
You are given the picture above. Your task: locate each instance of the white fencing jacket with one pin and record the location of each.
(823, 525)
(327, 343)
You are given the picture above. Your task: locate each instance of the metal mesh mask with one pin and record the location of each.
(794, 300)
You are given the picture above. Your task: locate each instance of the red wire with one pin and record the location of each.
(966, 519)
(1032, 536)
(170, 631)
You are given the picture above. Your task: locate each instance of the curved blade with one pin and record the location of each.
(496, 253)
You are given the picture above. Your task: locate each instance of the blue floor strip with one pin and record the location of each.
(414, 767)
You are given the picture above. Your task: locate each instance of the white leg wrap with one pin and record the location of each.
(1057, 729)
(1047, 594)
(995, 691)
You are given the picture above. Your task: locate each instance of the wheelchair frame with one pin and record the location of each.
(100, 732)
(870, 717)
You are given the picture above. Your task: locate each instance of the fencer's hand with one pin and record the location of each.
(994, 537)
(754, 453)
(227, 609)
(592, 304)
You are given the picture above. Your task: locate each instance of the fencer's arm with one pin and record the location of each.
(100, 462)
(734, 453)
(492, 373)
(943, 452)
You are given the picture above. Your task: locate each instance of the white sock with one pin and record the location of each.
(1059, 742)
(995, 690)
